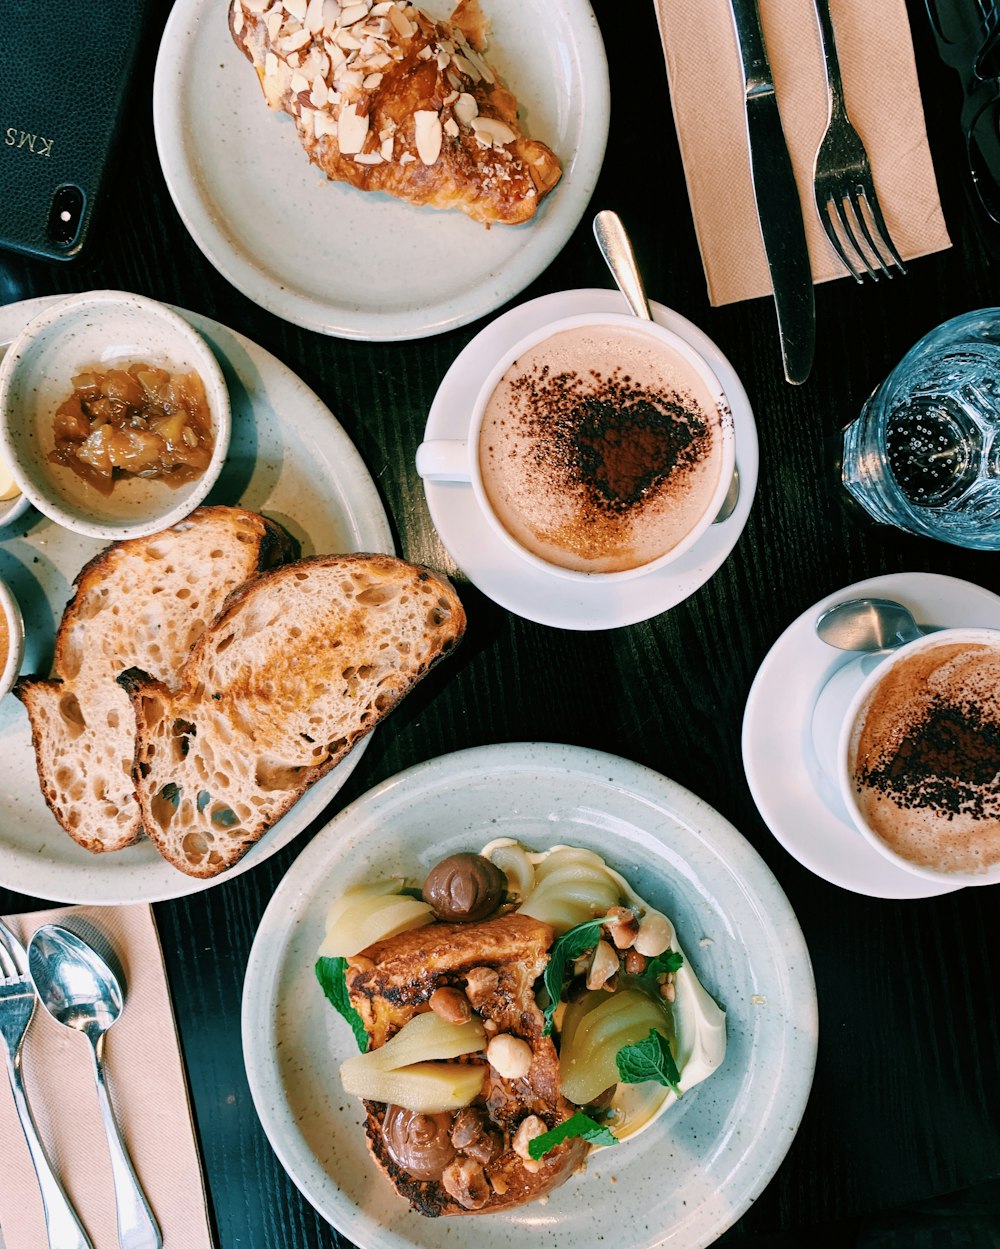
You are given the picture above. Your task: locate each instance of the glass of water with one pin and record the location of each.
(924, 455)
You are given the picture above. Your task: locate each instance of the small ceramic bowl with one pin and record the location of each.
(100, 329)
(11, 639)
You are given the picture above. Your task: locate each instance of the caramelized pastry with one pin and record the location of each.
(387, 99)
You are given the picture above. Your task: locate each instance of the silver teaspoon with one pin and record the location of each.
(79, 990)
(619, 256)
(867, 624)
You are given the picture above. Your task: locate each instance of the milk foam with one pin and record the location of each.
(925, 757)
(601, 448)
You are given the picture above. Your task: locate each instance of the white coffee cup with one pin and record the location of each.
(840, 710)
(458, 460)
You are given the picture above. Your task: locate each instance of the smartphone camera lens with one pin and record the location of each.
(66, 215)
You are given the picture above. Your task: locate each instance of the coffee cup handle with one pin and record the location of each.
(444, 459)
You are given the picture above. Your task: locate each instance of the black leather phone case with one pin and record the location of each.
(65, 71)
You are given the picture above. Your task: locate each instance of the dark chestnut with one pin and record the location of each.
(420, 1144)
(464, 887)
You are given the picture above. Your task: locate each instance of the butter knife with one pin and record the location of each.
(779, 210)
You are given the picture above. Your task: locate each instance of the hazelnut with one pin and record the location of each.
(625, 927)
(471, 1134)
(451, 1005)
(603, 966)
(464, 888)
(635, 963)
(465, 1180)
(654, 935)
(509, 1056)
(480, 984)
(526, 1132)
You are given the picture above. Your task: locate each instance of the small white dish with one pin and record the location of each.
(490, 563)
(720, 1144)
(357, 264)
(13, 509)
(101, 329)
(797, 797)
(11, 639)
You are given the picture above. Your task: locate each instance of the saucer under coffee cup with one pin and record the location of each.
(910, 738)
(603, 481)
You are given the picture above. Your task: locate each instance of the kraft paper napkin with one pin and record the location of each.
(883, 100)
(146, 1081)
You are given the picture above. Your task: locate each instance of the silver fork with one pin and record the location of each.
(845, 191)
(17, 1004)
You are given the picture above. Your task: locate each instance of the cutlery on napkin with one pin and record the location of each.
(147, 1083)
(883, 96)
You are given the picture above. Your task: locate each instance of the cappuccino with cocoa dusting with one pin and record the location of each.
(925, 757)
(601, 448)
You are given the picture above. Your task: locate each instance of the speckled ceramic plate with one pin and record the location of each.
(494, 567)
(695, 1171)
(357, 265)
(800, 803)
(289, 458)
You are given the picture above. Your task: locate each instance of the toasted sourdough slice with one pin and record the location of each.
(495, 964)
(139, 603)
(387, 99)
(303, 662)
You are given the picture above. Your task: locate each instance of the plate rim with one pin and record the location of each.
(367, 513)
(311, 313)
(283, 913)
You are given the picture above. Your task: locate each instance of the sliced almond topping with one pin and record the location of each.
(318, 94)
(270, 65)
(313, 19)
(381, 10)
(425, 53)
(324, 124)
(491, 132)
(255, 6)
(292, 43)
(428, 135)
(351, 130)
(352, 13)
(451, 129)
(273, 22)
(347, 41)
(483, 70)
(466, 108)
(299, 83)
(404, 28)
(407, 158)
(371, 82)
(331, 11)
(368, 158)
(297, 8)
(238, 19)
(293, 60)
(465, 66)
(386, 147)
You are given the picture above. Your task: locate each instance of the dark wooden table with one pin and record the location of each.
(902, 1132)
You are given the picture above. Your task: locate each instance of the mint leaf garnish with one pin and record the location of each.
(565, 949)
(650, 1059)
(330, 974)
(576, 1125)
(669, 961)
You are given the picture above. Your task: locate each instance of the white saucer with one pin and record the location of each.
(510, 581)
(798, 800)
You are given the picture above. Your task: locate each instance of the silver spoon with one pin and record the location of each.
(867, 624)
(79, 990)
(616, 248)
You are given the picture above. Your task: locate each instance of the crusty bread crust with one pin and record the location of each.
(140, 602)
(301, 663)
(394, 76)
(393, 980)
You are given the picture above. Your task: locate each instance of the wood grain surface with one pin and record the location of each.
(904, 1105)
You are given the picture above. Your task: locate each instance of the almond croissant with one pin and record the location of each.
(387, 99)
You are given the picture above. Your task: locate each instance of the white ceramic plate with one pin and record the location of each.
(799, 802)
(493, 566)
(350, 263)
(693, 1173)
(288, 458)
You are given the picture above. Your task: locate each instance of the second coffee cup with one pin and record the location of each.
(598, 445)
